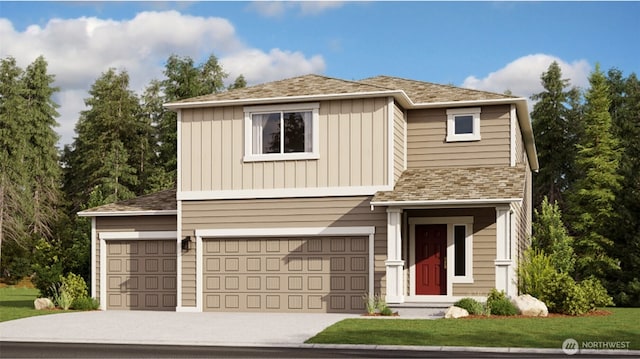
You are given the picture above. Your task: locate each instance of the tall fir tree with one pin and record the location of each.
(113, 115)
(593, 196)
(553, 124)
(625, 113)
(29, 170)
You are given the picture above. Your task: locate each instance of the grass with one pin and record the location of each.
(622, 325)
(17, 302)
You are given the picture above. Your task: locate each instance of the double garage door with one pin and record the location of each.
(319, 274)
(141, 275)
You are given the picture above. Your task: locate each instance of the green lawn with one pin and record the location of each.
(623, 325)
(16, 303)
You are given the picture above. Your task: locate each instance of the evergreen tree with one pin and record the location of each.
(111, 121)
(593, 195)
(184, 80)
(550, 235)
(552, 127)
(29, 170)
(625, 113)
(239, 83)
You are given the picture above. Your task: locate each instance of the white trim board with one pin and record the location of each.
(128, 213)
(275, 232)
(308, 192)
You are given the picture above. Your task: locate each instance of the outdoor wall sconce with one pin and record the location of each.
(185, 243)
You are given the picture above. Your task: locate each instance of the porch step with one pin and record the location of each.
(420, 310)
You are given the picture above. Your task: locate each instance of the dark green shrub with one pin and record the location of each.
(85, 303)
(47, 278)
(499, 304)
(386, 311)
(470, 305)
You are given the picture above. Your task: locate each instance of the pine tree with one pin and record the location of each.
(550, 235)
(593, 195)
(552, 127)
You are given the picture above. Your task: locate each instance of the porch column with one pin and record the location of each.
(504, 262)
(394, 263)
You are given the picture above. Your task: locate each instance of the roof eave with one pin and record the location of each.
(127, 213)
(447, 202)
(527, 133)
(400, 95)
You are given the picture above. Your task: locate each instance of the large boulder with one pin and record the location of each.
(456, 312)
(42, 303)
(530, 306)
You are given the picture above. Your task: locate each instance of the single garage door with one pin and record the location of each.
(327, 274)
(141, 275)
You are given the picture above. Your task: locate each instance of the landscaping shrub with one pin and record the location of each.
(470, 305)
(535, 273)
(499, 304)
(61, 297)
(75, 286)
(46, 278)
(85, 303)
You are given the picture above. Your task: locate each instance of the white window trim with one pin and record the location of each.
(451, 278)
(314, 107)
(451, 128)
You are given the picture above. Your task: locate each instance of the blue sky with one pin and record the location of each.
(486, 45)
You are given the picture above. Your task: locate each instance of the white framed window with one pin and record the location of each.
(462, 252)
(463, 124)
(281, 132)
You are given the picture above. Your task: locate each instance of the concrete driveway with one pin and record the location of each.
(170, 328)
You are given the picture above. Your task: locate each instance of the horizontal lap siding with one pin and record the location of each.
(484, 247)
(353, 150)
(427, 146)
(284, 213)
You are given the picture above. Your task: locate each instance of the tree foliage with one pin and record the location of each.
(29, 171)
(554, 123)
(551, 236)
(593, 196)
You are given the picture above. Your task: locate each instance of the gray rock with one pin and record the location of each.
(530, 306)
(456, 312)
(43, 303)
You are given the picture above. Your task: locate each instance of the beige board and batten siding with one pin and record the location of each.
(399, 143)
(427, 145)
(484, 247)
(282, 213)
(129, 224)
(353, 150)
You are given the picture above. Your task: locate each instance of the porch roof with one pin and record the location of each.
(455, 185)
(158, 203)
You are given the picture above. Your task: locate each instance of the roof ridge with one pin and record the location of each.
(437, 84)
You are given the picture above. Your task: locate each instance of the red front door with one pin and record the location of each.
(431, 246)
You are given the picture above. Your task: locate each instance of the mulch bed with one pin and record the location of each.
(595, 313)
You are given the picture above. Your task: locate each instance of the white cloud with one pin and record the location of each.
(279, 8)
(522, 76)
(79, 50)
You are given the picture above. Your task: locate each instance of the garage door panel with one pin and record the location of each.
(141, 275)
(285, 274)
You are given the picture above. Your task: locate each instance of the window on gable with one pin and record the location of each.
(463, 124)
(281, 132)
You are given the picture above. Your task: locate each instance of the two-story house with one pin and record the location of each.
(306, 194)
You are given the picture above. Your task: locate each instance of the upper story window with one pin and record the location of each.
(463, 124)
(281, 132)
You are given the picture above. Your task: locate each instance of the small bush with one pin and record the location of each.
(470, 305)
(85, 303)
(75, 286)
(61, 297)
(499, 304)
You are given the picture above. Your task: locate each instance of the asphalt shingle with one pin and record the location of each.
(159, 201)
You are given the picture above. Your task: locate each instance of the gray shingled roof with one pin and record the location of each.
(317, 85)
(443, 184)
(159, 201)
